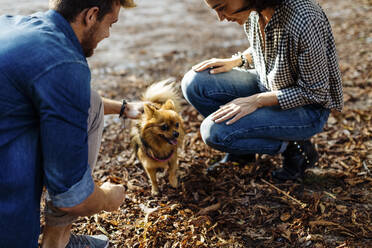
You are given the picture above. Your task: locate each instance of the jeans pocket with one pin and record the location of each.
(323, 115)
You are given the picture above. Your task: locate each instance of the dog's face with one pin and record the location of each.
(162, 125)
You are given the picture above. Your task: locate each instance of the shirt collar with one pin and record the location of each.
(65, 27)
(276, 19)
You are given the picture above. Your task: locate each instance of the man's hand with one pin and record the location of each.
(107, 197)
(133, 110)
(114, 196)
(218, 65)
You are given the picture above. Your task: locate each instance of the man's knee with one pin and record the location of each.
(95, 102)
(96, 111)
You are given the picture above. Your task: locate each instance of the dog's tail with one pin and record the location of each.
(162, 91)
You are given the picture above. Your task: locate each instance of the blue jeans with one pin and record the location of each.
(265, 131)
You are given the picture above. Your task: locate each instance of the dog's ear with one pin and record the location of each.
(169, 105)
(150, 111)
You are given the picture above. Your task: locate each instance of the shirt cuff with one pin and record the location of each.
(76, 194)
(290, 98)
(250, 52)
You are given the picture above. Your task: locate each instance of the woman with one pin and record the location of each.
(273, 97)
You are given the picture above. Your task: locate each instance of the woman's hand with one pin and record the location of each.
(236, 109)
(240, 107)
(218, 65)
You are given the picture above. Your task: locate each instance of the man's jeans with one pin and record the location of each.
(54, 216)
(265, 131)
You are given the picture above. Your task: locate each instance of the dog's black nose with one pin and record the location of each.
(176, 134)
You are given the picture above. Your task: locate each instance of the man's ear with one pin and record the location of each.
(150, 111)
(169, 105)
(91, 16)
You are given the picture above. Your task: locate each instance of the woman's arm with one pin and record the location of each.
(243, 106)
(223, 65)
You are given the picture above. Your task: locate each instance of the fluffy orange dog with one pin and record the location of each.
(159, 133)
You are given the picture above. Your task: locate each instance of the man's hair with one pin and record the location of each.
(260, 5)
(70, 9)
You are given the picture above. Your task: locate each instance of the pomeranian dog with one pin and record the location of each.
(158, 134)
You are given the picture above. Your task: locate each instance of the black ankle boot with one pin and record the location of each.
(298, 156)
(240, 159)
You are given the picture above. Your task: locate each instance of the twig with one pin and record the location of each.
(208, 209)
(330, 223)
(100, 227)
(303, 205)
(367, 169)
(148, 211)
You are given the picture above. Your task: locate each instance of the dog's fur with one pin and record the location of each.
(158, 134)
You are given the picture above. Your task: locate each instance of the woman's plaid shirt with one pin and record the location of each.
(299, 60)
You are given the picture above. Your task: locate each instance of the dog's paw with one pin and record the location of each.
(173, 182)
(155, 192)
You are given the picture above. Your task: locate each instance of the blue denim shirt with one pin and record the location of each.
(44, 102)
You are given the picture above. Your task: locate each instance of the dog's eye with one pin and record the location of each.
(177, 125)
(164, 127)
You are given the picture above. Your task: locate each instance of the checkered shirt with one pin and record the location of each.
(299, 60)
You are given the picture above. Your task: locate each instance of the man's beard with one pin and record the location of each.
(89, 42)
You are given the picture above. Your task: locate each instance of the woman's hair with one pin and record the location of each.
(69, 9)
(260, 5)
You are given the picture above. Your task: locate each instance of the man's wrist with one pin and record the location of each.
(122, 109)
(95, 203)
(111, 106)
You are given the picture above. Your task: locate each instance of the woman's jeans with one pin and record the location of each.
(265, 131)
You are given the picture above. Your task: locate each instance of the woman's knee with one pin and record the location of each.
(212, 134)
(193, 82)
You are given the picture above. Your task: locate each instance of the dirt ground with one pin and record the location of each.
(239, 205)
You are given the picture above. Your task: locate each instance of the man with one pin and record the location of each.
(285, 97)
(51, 123)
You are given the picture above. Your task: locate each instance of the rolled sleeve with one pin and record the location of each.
(77, 192)
(62, 97)
(290, 98)
(250, 51)
(312, 87)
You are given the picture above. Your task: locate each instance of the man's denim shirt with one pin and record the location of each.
(44, 102)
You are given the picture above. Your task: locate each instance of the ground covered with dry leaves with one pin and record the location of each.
(240, 205)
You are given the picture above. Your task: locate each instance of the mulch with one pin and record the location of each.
(240, 205)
